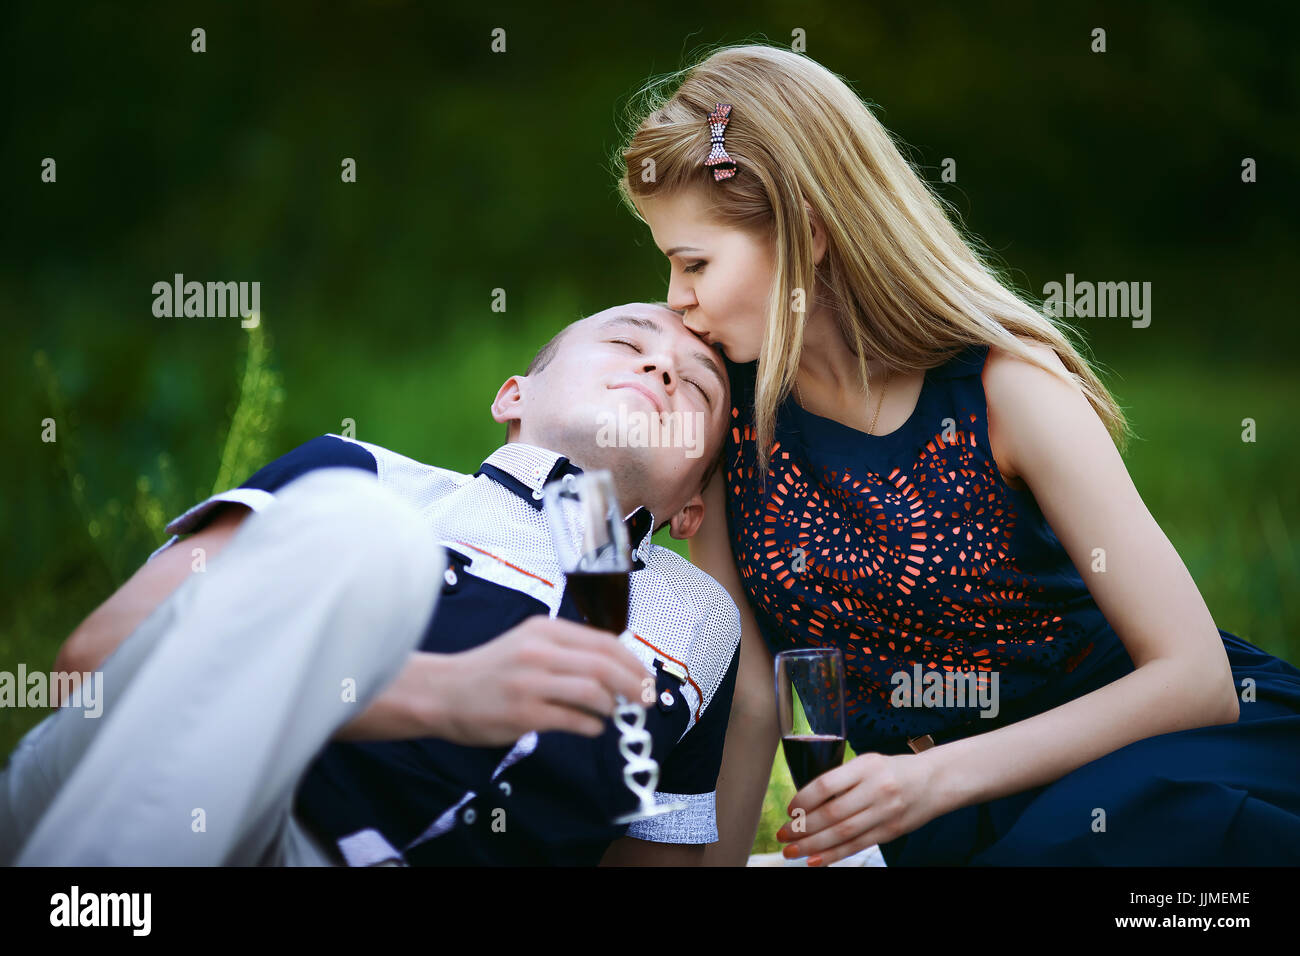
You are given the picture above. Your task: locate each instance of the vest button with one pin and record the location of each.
(666, 698)
(449, 576)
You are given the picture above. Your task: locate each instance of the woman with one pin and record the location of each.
(924, 472)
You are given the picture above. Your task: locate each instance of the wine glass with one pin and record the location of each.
(591, 545)
(810, 707)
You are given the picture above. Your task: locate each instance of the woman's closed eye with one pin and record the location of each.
(695, 268)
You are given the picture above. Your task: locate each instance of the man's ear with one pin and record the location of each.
(508, 406)
(686, 522)
(818, 234)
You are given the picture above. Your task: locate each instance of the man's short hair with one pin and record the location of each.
(547, 351)
(542, 359)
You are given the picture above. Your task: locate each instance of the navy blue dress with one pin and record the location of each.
(910, 553)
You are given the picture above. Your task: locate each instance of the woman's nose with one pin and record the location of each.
(680, 296)
(691, 320)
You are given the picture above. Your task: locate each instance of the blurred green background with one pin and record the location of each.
(478, 171)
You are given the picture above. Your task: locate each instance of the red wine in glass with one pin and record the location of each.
(810, 711)
(601, 597)
(811, 755)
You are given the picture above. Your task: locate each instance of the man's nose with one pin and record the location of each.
(662, 368)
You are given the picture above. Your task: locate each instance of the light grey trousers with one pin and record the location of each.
(214, 707)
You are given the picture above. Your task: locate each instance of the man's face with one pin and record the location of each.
(633, 390)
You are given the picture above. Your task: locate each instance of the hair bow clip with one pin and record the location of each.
(724, 167)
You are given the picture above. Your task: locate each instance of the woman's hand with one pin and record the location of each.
(871, 799)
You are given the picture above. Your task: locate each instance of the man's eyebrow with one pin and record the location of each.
(712, 366)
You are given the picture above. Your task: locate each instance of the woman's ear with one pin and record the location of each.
(508, 406)
(686, 522)
(818, 234)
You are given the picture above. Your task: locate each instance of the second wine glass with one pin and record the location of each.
(810, 708)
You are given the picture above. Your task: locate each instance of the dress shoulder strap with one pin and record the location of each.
(964, 363)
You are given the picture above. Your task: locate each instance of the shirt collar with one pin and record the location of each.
(527, 469)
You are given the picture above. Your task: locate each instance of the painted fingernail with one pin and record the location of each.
(814, 861)
(791, 852)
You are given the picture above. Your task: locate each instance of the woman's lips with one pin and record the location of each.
(714, 344)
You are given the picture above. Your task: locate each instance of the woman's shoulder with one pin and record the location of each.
(980, 358)
(1009, 378)
(1044, 352)
(1027, 403)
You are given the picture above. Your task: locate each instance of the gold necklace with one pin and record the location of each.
(881, 401)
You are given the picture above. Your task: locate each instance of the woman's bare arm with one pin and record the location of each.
(752, 730)
(1054, 441)
(1044, 432)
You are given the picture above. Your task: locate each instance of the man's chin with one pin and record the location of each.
(626, 461)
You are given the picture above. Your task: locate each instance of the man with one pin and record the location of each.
(319, 605)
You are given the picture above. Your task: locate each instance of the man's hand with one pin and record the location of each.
(541, 675)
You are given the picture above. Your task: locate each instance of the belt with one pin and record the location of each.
(924, 742)
(1011, 713)
(949, 734)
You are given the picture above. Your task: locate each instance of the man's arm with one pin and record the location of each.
(540, 675)
(690, 770)
(736, 832)
(752, 731)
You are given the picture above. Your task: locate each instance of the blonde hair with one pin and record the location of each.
(903, 283)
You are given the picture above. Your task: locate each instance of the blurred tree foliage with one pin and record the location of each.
(121, 529)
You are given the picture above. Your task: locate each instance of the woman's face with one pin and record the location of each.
(721, 276)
